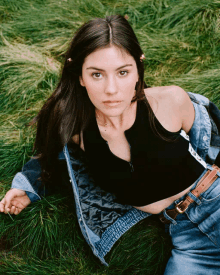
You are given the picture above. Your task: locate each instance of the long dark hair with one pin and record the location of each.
(68, 109)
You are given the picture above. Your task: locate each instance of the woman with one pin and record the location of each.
(135, 141)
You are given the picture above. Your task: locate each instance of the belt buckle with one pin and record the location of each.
(178, 209)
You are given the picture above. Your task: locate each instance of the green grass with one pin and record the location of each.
(181, 42)
(47, 234)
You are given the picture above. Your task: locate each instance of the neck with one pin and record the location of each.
(117, 122)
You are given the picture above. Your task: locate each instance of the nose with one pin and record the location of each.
(111, 85)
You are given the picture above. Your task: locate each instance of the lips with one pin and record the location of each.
(111, 103)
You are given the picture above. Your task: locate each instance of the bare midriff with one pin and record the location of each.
(157, 207)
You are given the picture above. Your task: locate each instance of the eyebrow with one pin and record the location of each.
(94, 68)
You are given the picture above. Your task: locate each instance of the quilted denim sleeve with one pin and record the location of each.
(204, 134)
(214, 150)
(29, 181)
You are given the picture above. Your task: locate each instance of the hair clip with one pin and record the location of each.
(142, 57)
(69, 59)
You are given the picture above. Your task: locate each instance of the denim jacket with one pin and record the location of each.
(101, 219)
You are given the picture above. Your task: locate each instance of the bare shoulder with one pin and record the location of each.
(173, 101)
(75, 139)
(173, 94)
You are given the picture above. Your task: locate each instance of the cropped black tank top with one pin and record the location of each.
(158, 169)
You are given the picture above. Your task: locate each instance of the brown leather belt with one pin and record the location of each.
(204, 183)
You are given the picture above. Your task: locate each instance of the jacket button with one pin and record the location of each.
(205, 138)
(70, 181)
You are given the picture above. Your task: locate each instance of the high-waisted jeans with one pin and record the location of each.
(196, 235)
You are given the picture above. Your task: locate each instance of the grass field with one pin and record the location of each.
(181, 42)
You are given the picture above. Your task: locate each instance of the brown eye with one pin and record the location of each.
(96, 75)
(123, 73)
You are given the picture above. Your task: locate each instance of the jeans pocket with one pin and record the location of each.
(207, 216)
(212, 193)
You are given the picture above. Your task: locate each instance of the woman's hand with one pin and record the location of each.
(14, 201)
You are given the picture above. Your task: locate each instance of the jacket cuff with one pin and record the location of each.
(21, 182)
(33, 197)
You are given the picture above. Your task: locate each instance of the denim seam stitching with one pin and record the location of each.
(169, 218)
(74, 184)
(204, 200)
(202, 230)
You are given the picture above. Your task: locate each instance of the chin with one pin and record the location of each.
(113, 111)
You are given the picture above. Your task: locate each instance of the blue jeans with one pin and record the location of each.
(196, 235)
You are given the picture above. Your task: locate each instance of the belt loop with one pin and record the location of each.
(205, 181)
(209, 167)
(197, 200)
(213, 167)
(168, 217)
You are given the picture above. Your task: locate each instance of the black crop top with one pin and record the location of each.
(158, 169)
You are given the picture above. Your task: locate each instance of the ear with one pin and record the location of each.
(81, 81)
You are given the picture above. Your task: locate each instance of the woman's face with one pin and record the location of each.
(109, 76)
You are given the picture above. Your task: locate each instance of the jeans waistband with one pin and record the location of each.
(185, 200)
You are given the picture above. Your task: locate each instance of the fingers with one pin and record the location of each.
(15, 210)
(12, 210)
(17, 204)
(14, 201)
(10, 195)
(21, 202)
(8, 199)
(2, 205)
